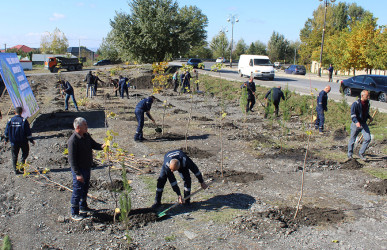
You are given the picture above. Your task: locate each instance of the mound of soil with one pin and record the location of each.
(180, 111)
(170, 137)
(351, 164)
(235, 176)
(141, 217)
(283, 218)
(340, 134)
(201, 118)
(115, 185)
(379, 187)
(196, 152)
(249, 135)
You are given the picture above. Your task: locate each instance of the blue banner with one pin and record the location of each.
(17, 85)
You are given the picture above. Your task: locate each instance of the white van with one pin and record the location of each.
(256, 66)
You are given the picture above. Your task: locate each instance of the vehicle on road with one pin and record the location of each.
(256, 66)
(296, 70)
(194, 62)
(220, 60)
(375, 84)
(103, 62)
(59, 62)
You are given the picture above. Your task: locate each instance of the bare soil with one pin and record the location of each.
(250, 205)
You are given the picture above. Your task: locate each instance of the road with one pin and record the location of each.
(298, 83)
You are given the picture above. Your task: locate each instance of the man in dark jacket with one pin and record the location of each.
(250, 86)
(144, 106)
(80, 155)
(322, 106)
(330, 70)
(177, 160)
(95, 81)
(90, 84)
(273, 96)
(186, 82)
(19, 133)
(123, 87)
(69, 91)
(116, 86)
(359, 115)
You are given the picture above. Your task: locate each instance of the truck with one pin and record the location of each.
(59, 62)
(256, 66)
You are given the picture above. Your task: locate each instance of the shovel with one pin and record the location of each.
(163, 213)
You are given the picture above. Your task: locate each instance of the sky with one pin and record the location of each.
(86, 22)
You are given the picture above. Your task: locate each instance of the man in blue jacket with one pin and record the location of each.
(69, 91)
(360, 113)
(273, 96)
(144, 106)
(19, 133)
(322, 105)
(177, 160)
(123, 87)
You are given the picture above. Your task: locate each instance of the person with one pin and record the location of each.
(330, 69)
(274, 96)
(69, 91)
(177, 160)
(116, 86)
(90, 84)
(360, 114)
(95, 81)
(18, 132)
(123, 87)
(80, 156)
(175, 81)
(144, 106)
(186, 82)
(322, 105)
(250, 85)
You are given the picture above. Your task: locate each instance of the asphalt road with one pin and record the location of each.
(298, 83)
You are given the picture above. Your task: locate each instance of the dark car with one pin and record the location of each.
(102, 62)
(194, 62)
(296, 70)
(375, 84)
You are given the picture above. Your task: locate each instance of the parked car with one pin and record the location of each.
(194, 62)
(257, 66)
(220, 60)
(375, 84)
(296, 70)
(102, 62)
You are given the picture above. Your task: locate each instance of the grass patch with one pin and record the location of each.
(169, 196)
(222, 216)
(380, 173)
(170, 238)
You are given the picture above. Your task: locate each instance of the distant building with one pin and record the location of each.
(85, 52)
(23, 48)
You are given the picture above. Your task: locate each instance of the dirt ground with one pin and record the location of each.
(249, 205)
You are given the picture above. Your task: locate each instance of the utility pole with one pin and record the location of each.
(323, 33)
(232, 19)
(79, 50)
(295, 55)
(5, 48)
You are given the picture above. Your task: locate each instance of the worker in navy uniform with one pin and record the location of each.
(177, 160)
(144, 106)
(123, 87)
(250, 85)
(69, 91)
(322, 106)
(18, 132)
(274, 96)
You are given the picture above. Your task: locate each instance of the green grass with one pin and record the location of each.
(169, 196)
(221, 216)
(6, 243)
(170, 238)
(380, 173)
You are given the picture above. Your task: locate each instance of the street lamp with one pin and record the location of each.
(232, 19)
(323, 33)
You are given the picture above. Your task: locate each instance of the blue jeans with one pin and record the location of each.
(320, 119)
(80, 190)
(354, 132)
(92, 91)
(140, 119)
(123, 91)
(67, 101)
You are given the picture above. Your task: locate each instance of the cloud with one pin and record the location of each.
(56, 16)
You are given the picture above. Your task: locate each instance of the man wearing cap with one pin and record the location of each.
(177, 160)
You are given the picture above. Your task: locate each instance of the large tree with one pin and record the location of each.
(277, 47)
(240, 48)
(108, 49)
(257, 48)
(219, 45)
(157, 29)
(55, 42)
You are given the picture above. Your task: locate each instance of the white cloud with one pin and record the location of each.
(56, 16)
